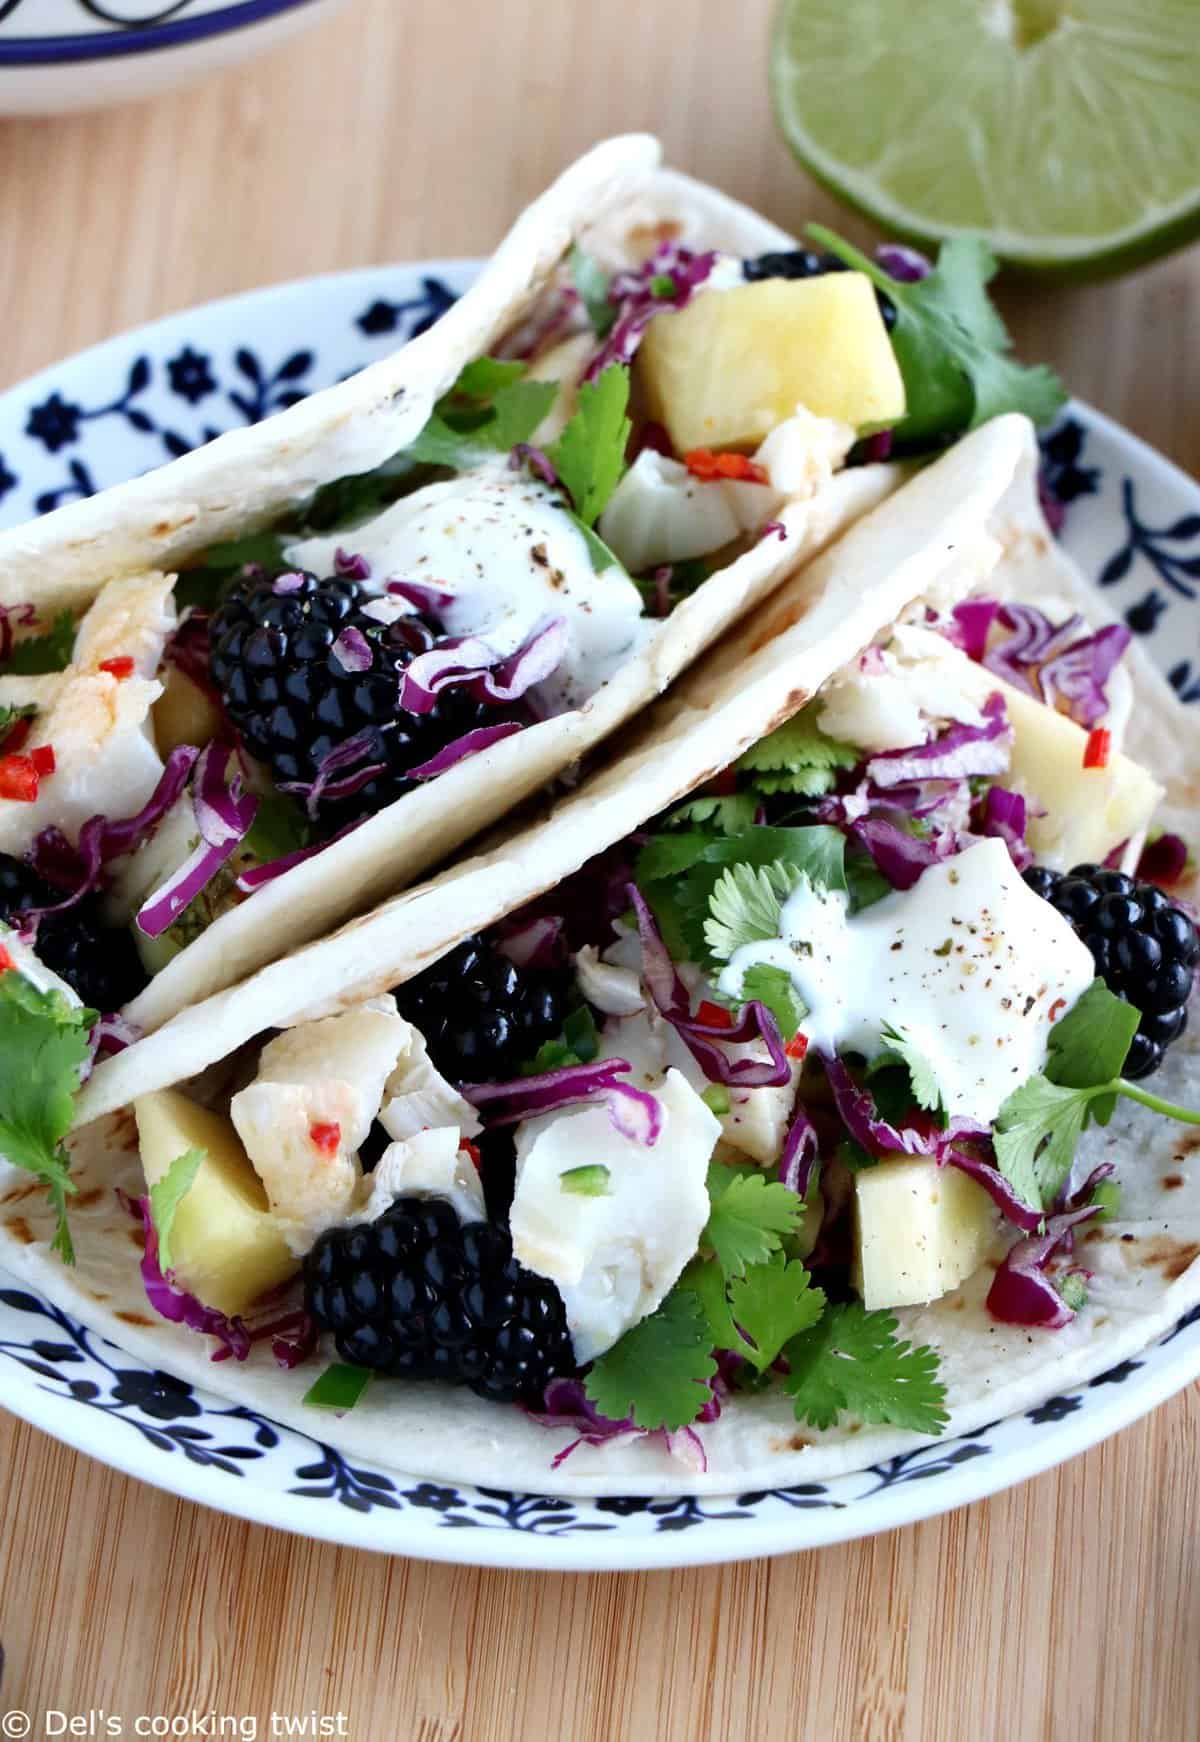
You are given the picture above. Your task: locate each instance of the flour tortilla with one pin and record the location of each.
(622, 204)
(969, 520)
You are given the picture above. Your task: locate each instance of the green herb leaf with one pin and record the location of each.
(589, 1181)
(772, 1303)
(1035, 1135)
(804, 782)
(489, 410)
(1089, 1044)
(1107, 1195)
(853, 1360)
(951, 344)
(9, 717)
(798, 744)
(748, 1217)
(44, 1045)
(167, 1195)
(339, 1387)
(1073, 1289)
(901, 1048)
(577, 1045)
(728, 815)
(592, 282)
(279, 827)
(601, 556)
(589, 455)
(773, 987)
(746, 907)
(658, 1372)
(37, 655)
(706, 1280)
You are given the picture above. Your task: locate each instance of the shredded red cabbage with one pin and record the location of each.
(538, 462)
(1018, 1212)
(703, 1039)
(651, 435)
(959, 753)
(1163, 860)
(420, 597)
(971, 624)
(1004, 816)
(633, 295)
(662, 590)
(901, 857)
(464, 659)
(801, 1152)
(24, 615)
(1057, 663)
(224, 812)
(352, 566)
(903, 264)
(256, 875)
(774, 529)
(566, 1404)
(189, 648)
(79, 869)
(459, 749)
(289, 583)
(1021, 1292)
(342, 756)
(920, 1135)
(352, 651)
(635, 1114)
(535, 943)
(174, 1303)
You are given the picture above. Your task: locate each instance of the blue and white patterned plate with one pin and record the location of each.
(1130, 518)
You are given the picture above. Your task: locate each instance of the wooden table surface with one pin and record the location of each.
(1068, 1608)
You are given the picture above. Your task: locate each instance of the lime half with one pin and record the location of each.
(1066, 133)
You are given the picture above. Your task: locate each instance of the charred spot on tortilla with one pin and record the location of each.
(18, 1194)
(645, 238)
(21, 1231)
(1170, 1255)
(1172, 1182)
(89, 1199)
(133, 1318)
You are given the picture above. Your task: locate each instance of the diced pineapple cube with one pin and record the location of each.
(1089, 811)
(225, 1247)
(726, 369)
(183, 714)
(920, 1229)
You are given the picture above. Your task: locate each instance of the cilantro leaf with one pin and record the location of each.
(489, 409)
(592, 282)
(1073, 1289)
(601, 556)
(746, 906)
(1088, 1045)
(706, 1280)
(657, 1374)
(279, 827)
(1035, 1135)
(44, 1044)
(853, 1360)
(665, 856)
(951, 344)
(798, 744)
(729, 815)
(901, 1048)
(804, 782)
(772, 1303)
(37, 655)
(748, 1216)
(9, 715)
(773, 987)
(168, 1193)
(589, 455)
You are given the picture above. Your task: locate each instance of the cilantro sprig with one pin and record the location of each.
(748, 1294)
(166, 1195)
(489, 409)
(951, 344)
(1038, 1128)
(37, 655)
(44, 1046)
(589, 455)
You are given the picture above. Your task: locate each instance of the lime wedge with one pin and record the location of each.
(1062, 130)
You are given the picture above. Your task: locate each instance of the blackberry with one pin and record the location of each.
(1145, 949)
(418, 1295)
(98, 961)
(481, 1016)
(292, 700)
(808, 263)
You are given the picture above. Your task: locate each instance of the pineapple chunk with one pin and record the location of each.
(226, 1248)
(183, 714)
(919, 1230)
(726, 369)
(1089, 811)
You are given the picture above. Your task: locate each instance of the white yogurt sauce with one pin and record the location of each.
(503, 545)
(969, 963)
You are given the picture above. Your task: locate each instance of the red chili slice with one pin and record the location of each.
(702, 463)
(6, 961)
(1098, 748)
(43, 759)
(121, 667)
(472, 1149)
(15, 738)
(18, 778)
(715, 1015)
(797, 1047)
(1056, 1009)
(324, 1136)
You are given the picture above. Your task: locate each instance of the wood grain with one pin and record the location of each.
(1068, 1608)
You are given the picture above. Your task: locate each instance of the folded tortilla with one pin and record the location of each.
(132, 536)
(968, 521)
